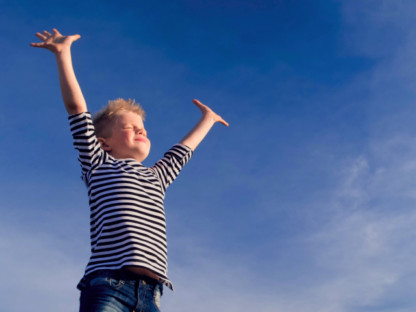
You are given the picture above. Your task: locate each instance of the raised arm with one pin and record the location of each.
(201, 129)
(61, 46)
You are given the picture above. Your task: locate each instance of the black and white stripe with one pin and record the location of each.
(127, 216)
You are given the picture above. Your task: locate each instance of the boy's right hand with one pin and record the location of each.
(55, 42)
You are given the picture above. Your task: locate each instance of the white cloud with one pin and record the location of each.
(368, 249)
(364, 255)
(38, 274)
(361, 258)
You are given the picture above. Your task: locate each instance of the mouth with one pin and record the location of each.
(140, 140)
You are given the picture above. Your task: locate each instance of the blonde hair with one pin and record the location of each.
(103, 119)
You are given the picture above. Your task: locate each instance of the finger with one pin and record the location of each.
(196, 102)
(199, 104)
(40, 36)
(47, 33)
(56, 32)
(37, 45)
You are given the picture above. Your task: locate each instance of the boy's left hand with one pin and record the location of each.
(201, 129)
(209, 113)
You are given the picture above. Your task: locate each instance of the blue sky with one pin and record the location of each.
(305, 203)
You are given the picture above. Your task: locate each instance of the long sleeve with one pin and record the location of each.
(168, 168)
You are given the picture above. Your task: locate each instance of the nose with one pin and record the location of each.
(141, 131)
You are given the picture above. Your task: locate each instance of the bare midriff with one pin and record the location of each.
(141, 271)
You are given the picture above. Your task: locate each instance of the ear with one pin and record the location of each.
(104, 145)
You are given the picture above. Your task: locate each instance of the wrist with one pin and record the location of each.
(62, 51)
(63, 57)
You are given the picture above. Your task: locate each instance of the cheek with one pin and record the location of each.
(129, 136)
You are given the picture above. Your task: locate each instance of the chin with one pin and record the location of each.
(142, 157)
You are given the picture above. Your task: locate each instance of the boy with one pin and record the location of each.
(128, 263)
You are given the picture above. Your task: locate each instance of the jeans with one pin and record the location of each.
(119, 291)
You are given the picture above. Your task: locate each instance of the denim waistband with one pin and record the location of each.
(123, 275)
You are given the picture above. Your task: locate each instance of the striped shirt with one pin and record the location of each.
(127, 216)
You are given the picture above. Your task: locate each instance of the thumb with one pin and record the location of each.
(223, 121)
(75, 37)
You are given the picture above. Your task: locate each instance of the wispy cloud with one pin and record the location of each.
(361, 259)
(365, 251)
(362, 256)
(38, 273)
(350, 246)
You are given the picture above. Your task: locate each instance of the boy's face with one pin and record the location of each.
(128, 138)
